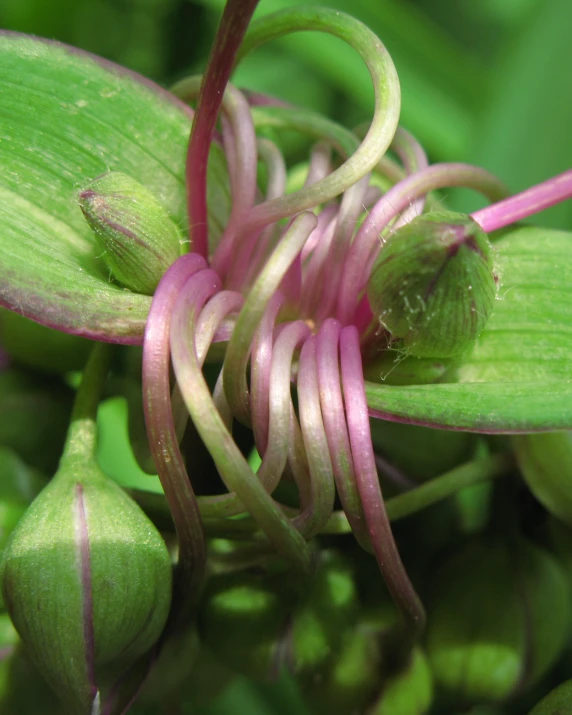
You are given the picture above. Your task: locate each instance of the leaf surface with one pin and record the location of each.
(66, 117)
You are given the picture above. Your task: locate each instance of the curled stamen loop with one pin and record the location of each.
(267, 283)
(378, 525)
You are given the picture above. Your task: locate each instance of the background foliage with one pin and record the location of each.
(483, 81)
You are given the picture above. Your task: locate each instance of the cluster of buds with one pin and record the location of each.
(298, 297)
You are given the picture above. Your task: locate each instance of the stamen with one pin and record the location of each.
(387, 104)
(266, 285)
(233, 24)
(322, 490)
(262, 347)
(163, 440)
(384, 547)
(336, 428)
(231, 464)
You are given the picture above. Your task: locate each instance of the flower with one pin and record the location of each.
(307, 286)
(285, 288)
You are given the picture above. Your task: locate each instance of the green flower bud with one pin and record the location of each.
(23, 690)
(408, 692)
(19, 484)
(351, 680)
(557, 702)
(34, 417)
(185, 672)
(560, 542)
(41, 348)
(488, 633)
(545, 461)
(320, 623)
(138, 239)
(242, 620)
(433, 284)
(206, 681)
(87, 582)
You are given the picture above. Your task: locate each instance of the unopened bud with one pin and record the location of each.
(242, 620)
(22, 689)
(87, 582)
(488, 632)
(138, 239)
(408, 692)
(433, 285)
(321, 621)
(352, 678)
(557, 702)
(545, 461)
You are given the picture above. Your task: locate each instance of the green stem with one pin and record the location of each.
(81, 439)
(387, 103)
(448, 484)
(438, 489)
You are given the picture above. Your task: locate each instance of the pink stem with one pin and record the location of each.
(233, 25)
(322, 488)
(217, 309)
(320, 163)
(384, 546)
(163, 438)
(336, 428)
(260, 372)
(276, 454)
(527, 203)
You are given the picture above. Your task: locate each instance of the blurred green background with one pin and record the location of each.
(483, 81)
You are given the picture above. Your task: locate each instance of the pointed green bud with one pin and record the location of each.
(23, 690)
(433, 284)
(19, 484)
(205, 682)
(138, 239)
(352, 678)
(560, 542)
(34, 417)
(408, 692)
(171, 670)
(321, 621)
(242, 620)
(41, 348)
(186, 672)
(488, 633)
(557, 702)
(545, 461)
(87, 582)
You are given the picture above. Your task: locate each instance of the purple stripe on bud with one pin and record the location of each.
(84, 565)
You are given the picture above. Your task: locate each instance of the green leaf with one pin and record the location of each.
(517, 377)
(67, 117)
